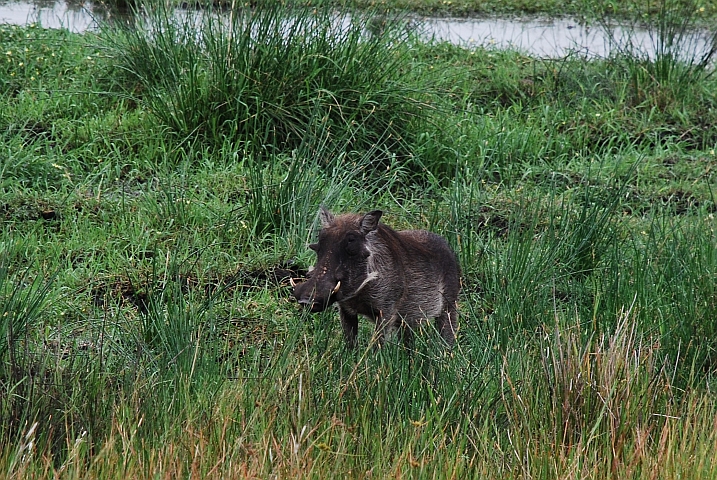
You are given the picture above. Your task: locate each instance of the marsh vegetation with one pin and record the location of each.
(159, 186)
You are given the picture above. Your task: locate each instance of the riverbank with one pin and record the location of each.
(630, 10)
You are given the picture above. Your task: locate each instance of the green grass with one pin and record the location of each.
(150, 226)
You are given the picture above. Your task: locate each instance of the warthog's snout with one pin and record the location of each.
(309, 303)
(307, 296)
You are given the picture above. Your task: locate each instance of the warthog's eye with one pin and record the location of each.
(314, 247)
(352, 244)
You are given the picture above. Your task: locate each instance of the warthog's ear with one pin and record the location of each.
(326, 217)
(369, 222)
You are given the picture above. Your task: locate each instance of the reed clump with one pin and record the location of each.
(272, 76)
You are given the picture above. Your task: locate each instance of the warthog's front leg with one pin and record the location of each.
(349, 323)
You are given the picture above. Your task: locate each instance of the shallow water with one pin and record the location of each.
(538, 36)
(545, 37)
(75, 16)
(557, 37)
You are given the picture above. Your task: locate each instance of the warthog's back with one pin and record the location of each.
(432, 274)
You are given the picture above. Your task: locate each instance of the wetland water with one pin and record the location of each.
(537, 36)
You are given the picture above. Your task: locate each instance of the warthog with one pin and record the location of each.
(397, 279)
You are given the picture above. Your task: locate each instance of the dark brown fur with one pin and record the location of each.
(395, 278)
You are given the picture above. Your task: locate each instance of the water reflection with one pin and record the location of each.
(74, 15)
(547, 37)
(558, 37)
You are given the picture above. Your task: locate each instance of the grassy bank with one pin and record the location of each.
(158, 190)
(646, 11)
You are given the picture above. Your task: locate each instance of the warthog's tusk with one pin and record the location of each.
(336, 288)
(292, 282)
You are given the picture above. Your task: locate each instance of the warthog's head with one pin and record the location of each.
(342, 260)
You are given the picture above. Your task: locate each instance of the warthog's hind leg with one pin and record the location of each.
(407, 335)
(385, 327)
(447, 323)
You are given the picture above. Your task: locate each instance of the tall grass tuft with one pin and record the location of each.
(599, 402)
(677, 288)
(286, 191)
(543, 256)
(23, 295)
(175, 325)
(50, 387)
(679, 54)
(22, 298)
(262, 75)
